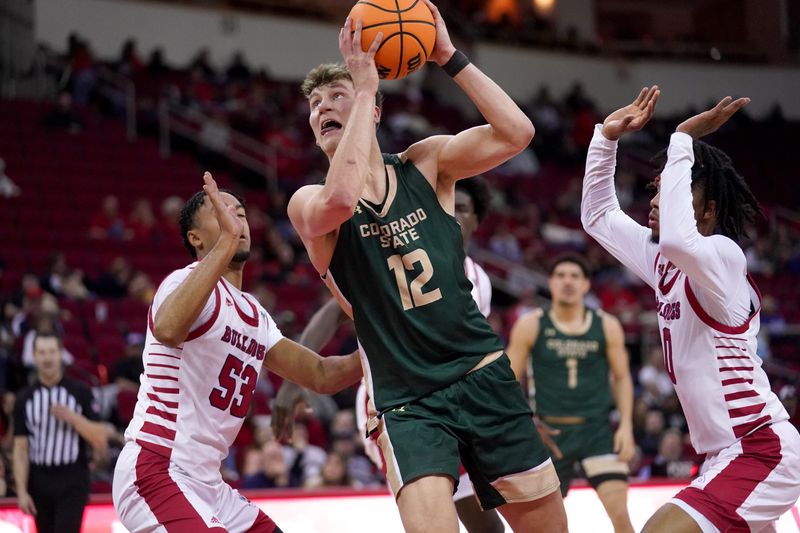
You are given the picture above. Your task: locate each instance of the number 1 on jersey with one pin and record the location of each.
(411, 294)
(572, 372)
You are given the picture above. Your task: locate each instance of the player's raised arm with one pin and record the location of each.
(175, 316)
(478, 149)
(687, 229)
(602, 218)
(317, 210)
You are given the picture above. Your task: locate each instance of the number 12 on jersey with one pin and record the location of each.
(411, 294)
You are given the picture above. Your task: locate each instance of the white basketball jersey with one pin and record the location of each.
(481, 286)
(193, 398)
(714, 368)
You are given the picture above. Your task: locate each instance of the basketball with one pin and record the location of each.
(409, 34)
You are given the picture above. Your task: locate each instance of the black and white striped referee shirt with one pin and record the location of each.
(52, 442)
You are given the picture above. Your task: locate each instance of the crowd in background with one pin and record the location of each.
(535, 214)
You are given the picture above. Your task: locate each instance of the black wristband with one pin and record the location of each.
(456, 63)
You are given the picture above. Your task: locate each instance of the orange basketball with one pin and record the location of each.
(409, 34)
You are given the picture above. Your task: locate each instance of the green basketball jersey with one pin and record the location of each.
(400, 266)
(570, 372)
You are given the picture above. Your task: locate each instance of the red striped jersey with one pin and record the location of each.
(708, 308)
(717, 375)
(193, 398)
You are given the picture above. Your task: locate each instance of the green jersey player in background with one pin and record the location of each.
(568, 352)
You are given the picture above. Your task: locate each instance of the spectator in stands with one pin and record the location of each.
(653, 427)
(238, 70)
(127, 371)
(276, 246)
(113, 283)
(63, 281)
(8, 339)
(129, 62)
(656, 383)
(274, 472)
(202, 63)
(8, 189)
(170, 213)
(141, 288)
(63, 116)
(334, 473)
(82, 75)
(215, 139)
(549, 124)
(141, 221)
(346, 443)
(670, 462)
(108, 223)
(156, 66)
(304, 459)
(504, 243)
(32, 303)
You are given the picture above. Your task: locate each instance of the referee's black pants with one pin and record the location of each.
(59, 493)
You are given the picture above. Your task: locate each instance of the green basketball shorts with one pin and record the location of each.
(482, 421)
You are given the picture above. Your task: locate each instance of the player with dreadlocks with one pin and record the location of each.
(708, 316)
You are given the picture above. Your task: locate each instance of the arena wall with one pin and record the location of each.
(290, 47)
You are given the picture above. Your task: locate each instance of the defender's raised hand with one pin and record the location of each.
(633, 116)
(443, 49)
(228, 221)
(360, 64)
(710, 121)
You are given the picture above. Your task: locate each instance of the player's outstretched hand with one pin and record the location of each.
(226, 214)
(443, 48)
(633, 116)
(290, 397)
(624, 445)
(709, 121)
(360, 64)
(546, 433)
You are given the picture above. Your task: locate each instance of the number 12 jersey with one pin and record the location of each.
(399, 266)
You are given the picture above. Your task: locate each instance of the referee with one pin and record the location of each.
(53, 421)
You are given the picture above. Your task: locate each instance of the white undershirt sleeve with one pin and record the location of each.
(628, 241)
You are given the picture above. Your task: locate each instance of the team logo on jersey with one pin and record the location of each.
(663, 286)
(669, 311)
(240, 341)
